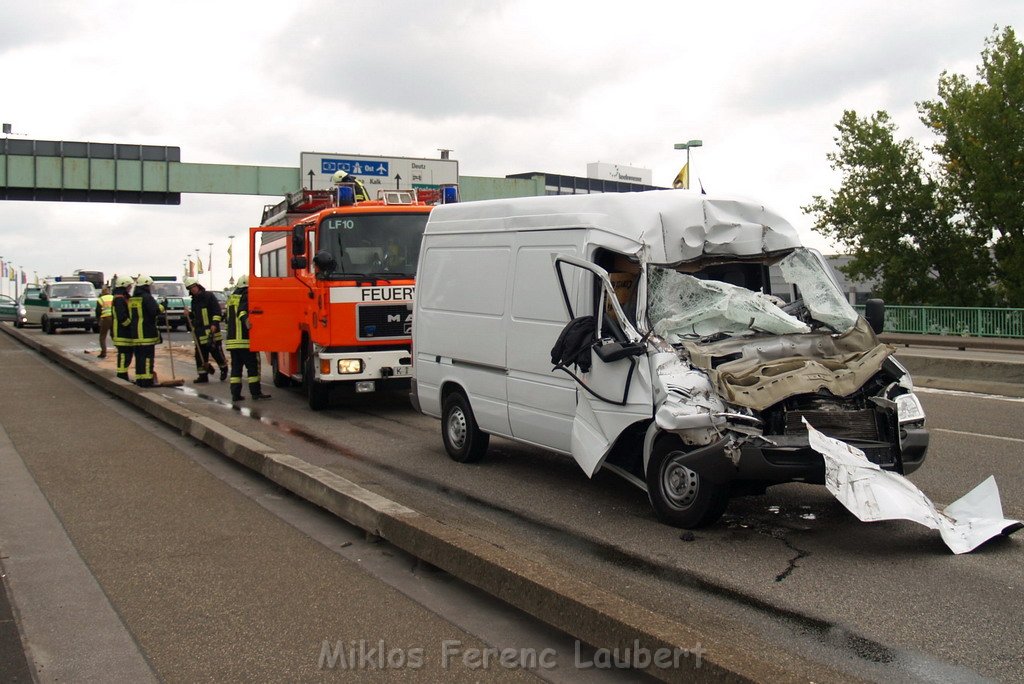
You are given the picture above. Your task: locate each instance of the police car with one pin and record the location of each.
(62, 302)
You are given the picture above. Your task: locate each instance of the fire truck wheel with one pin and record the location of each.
(317, 393)
(280, 379)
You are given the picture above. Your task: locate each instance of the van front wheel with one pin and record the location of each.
(463, 439)
(681, 497)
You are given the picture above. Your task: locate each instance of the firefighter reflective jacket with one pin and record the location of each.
(144, 310)
(121, 331)
(238, 320)
(103, 304)
(205, 312)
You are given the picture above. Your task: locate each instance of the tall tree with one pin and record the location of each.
(892, 216)
(980, 131)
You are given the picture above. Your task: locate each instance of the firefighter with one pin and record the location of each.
(238, 343)
(340, 177)
(204, 320)
(121, 330)
(144, 310)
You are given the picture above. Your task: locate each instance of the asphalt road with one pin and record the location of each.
(884, 601)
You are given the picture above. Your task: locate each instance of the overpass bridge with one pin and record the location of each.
(70, 171)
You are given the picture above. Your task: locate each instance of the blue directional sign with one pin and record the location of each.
(377, 172)
(357, 167)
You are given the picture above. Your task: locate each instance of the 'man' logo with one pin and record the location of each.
(394, 318)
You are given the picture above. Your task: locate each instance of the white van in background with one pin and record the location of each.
(680, 369)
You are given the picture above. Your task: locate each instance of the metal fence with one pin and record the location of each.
(953, 320)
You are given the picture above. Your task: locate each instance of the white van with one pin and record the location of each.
(700, 333)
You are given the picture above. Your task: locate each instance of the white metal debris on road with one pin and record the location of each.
(873, 494)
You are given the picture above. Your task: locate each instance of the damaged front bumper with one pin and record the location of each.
(790, 458)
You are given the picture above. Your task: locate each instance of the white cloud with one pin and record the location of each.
(513, 86)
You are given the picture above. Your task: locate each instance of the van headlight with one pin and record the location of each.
(350, 366)
(909, 409)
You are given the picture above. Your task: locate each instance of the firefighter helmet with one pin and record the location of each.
(143, 280)
(243, 281)
(124, 281)
(190, 281)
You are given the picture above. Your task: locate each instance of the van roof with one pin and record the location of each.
(674, 225)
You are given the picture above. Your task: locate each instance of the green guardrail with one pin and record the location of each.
(953, 320)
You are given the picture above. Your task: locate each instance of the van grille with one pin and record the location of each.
(846, 425)
(383, 321)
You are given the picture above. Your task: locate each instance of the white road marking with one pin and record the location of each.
(978, 434)
(973, 395)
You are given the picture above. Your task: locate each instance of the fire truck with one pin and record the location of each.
(331, 288)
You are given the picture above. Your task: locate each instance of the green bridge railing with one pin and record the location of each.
(953, 320)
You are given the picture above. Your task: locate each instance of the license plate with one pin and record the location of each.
(402, 370)
(76, 320)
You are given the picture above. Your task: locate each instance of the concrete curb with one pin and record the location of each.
(593, 615)
(966, 375)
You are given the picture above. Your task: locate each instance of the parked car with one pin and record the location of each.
(30, 292)
(63, 302)
(173, 298)
(8, 309)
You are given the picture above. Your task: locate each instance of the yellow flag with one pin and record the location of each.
(199, 265)
(229, 256)
(683, 177)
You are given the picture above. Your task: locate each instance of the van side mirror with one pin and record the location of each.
(298, 241)
(299, 263)
(874, 313)
(609, 351)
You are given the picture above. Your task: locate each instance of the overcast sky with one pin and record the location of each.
(509, 86)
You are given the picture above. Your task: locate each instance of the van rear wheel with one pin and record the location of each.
(464, 441)
(681, 496)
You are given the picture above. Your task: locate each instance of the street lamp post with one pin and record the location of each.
(209, 264)
(231, 259)
(686, 146)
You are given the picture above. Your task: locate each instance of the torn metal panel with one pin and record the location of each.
(872, 494)
(759, 372)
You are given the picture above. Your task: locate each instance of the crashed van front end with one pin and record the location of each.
(749, 348)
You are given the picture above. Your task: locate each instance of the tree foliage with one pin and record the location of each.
(952, 234)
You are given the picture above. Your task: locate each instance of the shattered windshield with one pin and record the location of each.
(683, 305)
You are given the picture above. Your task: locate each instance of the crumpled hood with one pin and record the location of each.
(761, 371)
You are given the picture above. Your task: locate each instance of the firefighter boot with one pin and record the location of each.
(257, 392)
(203, 377)
(223, 373)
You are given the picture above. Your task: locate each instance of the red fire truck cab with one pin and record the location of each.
(331, 291)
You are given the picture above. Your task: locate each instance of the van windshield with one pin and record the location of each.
(72, 290)
(696, 306)
(167, 289)
(379, 245)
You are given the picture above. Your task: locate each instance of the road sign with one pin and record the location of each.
(378, 172)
